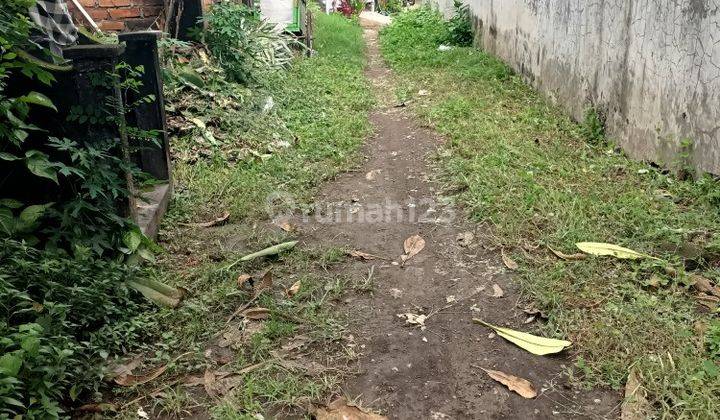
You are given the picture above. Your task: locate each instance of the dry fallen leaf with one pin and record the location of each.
(341, 409)
(129, 379)
(294, 289)
(412, 246)
(242, 279)
(218, 384)
(497, 291)
(709, 301)
(265, 283)
(568, 257)
(215, 222)
(364, 255)
(635, 406)
(509, 263)
(465, 238)
(285, 225)
(372, 175)
(540, 346)
(256, 313)
(521, 386)
(704, 285)
(414, 319)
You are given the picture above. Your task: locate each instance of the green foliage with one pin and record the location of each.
(460, 26)
(246, 46)
(712, 340)
(61, 308)
(59, 315)
(521, 166)
(390, 6)
(319, 114)
(593, 127)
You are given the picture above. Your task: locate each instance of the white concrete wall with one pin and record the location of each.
(652, 65)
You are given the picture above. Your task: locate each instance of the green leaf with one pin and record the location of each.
(7, 220)
(10, 203)
(132, 240)
(604, 249)
(37, 98)
(8, 156)
(10, 364)
(31, 214)
(273, 250)
(532, 343)
(38, 163)
(31, 345)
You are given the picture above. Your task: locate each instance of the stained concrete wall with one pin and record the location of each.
(653, 66)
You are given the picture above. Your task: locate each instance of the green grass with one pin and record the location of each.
(321, 109)
(538, 180)
(323, 102)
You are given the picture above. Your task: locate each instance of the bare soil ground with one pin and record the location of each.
(411, 373)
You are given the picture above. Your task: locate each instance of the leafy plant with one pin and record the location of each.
(593, 127)
(55, 313)
(246, 46)
(390, 6)
(460, 26)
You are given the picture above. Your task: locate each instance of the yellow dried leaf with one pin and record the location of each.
(532, 343)
(294, 289)
(603, 249)
(568, 257)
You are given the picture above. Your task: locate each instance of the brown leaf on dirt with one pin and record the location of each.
(568, 257)
(465, 238)
(497, 291)
(218, 384)
(412, 246)
(372, 175)
(509, 263)
(128, 367)
(264, 284)
(215, 222)
(703, 285)
(363, 255)
(256, 313)
(341, 409)
(285, 225)
(635, 406)
(294, 289)
(521, 386)
(242, 279)
(709, 301)
(129, 379)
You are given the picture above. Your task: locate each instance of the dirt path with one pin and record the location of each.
(407, 372)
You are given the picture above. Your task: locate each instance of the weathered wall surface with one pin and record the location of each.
(653, 66)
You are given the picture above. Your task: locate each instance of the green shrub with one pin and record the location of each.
(246, 46)
(593, 127)
(460, 26)
(58, 318)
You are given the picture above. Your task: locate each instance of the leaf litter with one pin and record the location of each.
(534, 344)
(412, 246)
(342, 409)
(521, 386)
